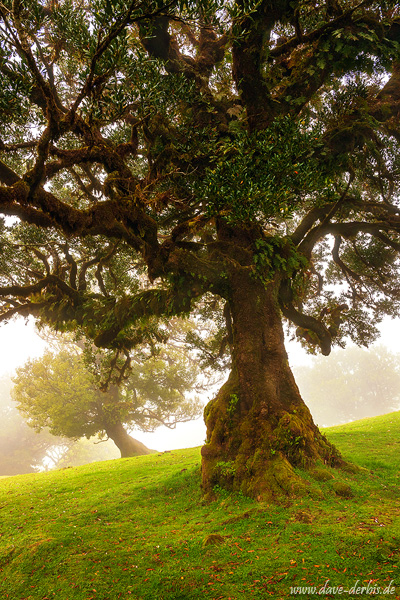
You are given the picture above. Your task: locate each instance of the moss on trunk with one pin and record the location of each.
(258, 427)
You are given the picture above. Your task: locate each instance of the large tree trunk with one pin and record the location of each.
(126, 444)
(258, 427)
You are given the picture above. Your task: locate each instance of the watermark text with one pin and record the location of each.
(371, 589)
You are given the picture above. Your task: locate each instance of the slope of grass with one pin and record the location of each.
(138, 529)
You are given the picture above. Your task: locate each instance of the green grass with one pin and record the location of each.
(137, 529)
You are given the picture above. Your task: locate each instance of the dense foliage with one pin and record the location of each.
(58, 392)
(158, 155)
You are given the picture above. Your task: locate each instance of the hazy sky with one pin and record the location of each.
(19, 342)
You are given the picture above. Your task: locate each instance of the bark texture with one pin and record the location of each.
(126, 444)
(258, 427)
(217, 84)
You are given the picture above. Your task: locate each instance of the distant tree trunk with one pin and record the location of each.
(126, 444)
(258, 427)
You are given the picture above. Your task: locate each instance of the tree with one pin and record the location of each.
(58, 392)
(158, 154)
(21, 449)
(86, 451)
(352, 384)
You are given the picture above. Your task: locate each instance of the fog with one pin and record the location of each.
(19, 342)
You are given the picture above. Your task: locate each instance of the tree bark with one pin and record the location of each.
(258, 427)
(126, 444)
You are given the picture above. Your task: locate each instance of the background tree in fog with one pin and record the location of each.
(60, 392)
(351, 384)
(23, 450)
(159, 154)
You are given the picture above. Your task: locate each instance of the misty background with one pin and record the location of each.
(345, 386)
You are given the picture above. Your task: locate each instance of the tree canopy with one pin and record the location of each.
(23, 450)
(160, 155)
(58, 392)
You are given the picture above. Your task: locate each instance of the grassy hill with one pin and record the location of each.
(138, 529)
